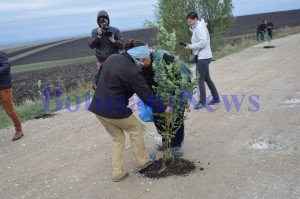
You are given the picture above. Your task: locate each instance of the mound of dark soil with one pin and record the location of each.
(269, 46)
(44, 116)
(175, 167)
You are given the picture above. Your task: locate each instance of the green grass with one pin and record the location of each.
(27, 111)
(51, 64)
(30, 109)
(228, 49)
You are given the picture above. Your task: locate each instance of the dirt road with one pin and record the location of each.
(250, 153)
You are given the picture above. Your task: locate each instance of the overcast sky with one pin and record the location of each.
(24, 21)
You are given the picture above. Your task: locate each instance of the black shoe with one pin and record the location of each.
(213, 101)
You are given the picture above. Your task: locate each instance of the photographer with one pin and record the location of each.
(106, 40)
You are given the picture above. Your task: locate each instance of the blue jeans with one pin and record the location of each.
(202, 67)
(260, 34)
(270, 33)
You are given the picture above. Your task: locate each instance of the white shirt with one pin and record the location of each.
(200, 40)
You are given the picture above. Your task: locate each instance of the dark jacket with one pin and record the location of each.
(270, 25)
(149, 75)
(149, 72)
(119, 79)
(5, 77)
(262, 27)
(103, 46)
(185, 72)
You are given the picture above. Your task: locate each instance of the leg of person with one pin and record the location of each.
(211, 86)
(118, 145)
(8, 106)
(96, 79)
(202, 67)
(135, 129)
(98, 65)
(177, 140)
(262, 35)
(136, 132)
(257, 35)
(159, 129)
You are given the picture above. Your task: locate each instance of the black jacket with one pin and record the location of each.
(5, 77)
(262, 26)
(119, 79)
(103, 46)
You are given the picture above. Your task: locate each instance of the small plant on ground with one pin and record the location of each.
(173, 87)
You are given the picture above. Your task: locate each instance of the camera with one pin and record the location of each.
(105, 28)
(182, 43)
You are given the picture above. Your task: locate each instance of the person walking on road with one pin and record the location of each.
(106, 40)
(6, 95)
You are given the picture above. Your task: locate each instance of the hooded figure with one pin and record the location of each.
(103, 43)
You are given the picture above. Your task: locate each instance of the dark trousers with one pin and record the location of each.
(270, 33)
(179, 137)
(260, 34)
(202, 67)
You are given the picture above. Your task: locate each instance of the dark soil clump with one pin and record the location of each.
(269, 46)
(175, 167)
(44, 115)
